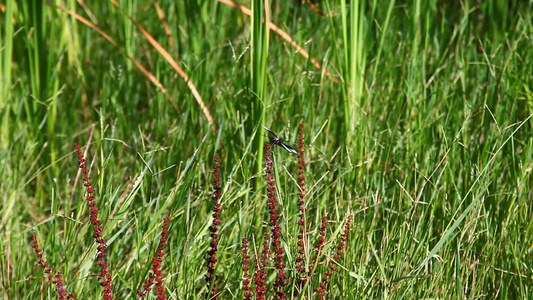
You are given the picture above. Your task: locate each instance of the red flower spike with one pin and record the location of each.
(211, 253)
(104, 277)
(332, 268)
(55, 279)
(155, 274)
(319, 244)
(300, 260)
(282, 279)
(246, 262)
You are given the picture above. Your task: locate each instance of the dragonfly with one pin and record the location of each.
(275, 140)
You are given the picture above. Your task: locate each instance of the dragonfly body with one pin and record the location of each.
(275, 140)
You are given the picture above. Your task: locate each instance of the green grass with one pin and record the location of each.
(425, 141)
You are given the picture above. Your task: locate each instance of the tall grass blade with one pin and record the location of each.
(6, 42)
(258, 70)
(353, 30)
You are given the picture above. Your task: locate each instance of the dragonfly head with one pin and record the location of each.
(275, 140)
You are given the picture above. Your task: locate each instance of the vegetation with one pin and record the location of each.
(413, 121)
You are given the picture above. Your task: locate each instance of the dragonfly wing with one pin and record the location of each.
(266, 128)
(288, 148)
(289, 142)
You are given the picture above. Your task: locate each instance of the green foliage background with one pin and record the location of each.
(426, 140)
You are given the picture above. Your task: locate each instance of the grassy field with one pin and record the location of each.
(416, 149)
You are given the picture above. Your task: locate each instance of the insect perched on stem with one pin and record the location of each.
(275, 140)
